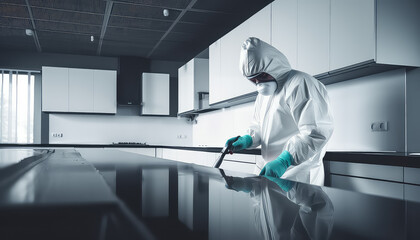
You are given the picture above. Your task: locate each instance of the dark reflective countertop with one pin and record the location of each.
(109, 194)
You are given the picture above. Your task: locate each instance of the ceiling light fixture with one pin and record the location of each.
(165, 12)
(92, 38)
(29, 32)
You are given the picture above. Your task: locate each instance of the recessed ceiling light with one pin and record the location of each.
(165, 12)
(29, 32)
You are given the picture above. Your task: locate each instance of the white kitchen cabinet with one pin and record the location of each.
(228, 82)
(412, 192)
(80, 90)
(193, 77)
(368, 186)
(382, 31)
(352, 32)
(284, 28)
(374, 171)
(105, 91)
(313, 36)
(155, 94)
(230, 75)
(55, 89)
(412, 175)
(398, 32)
(216, 88)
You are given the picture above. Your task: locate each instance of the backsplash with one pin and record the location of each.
(106, 129)
(355, 104)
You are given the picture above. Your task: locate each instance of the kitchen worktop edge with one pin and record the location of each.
(381, 158)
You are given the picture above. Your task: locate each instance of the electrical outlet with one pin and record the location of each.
(57, 135)
(381, 126)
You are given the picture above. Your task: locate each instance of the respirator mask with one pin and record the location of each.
(266, 88)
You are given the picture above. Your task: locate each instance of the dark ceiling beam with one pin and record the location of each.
(172, 26)
(35, 35)
(107, 15)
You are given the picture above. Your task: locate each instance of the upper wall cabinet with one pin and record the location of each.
(193, 77)
(55, 89)
(313, 36)
(284, 28)
(324, 36)
(226, 80)
(155, 94)
(352, 32)
(104, 91)
(79, 90)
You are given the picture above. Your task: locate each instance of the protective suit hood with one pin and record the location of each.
(258, 56)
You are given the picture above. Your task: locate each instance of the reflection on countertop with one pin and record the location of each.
(168, 199)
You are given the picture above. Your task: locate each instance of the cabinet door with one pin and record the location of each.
(186, 87)
(80, 90)
(216, 87)
(233, 82)
(368, 186)
(313, 36)
(105, 91)
(155, 94)
(259, 25)
(284, 29)
(55, 89)
(352, 32)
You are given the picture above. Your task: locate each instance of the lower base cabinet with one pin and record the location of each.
(369, 186)
(388, 181)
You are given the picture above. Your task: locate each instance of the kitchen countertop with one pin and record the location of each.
(93, 193)
(381, 158)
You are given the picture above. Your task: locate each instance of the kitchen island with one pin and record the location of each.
(94, 193)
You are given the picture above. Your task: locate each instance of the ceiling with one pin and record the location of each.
(121, 27)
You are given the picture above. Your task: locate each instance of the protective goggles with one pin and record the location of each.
(262, 77)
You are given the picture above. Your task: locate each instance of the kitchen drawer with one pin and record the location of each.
(369, 186)
(241, 157)
(412, 193)
(412, 175)
(391, 173)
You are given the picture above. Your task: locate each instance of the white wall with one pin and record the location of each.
(214, 128)
(105, 129)
(359, 102)
(355, 103)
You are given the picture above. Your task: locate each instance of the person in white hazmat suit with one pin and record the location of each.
(292, 118)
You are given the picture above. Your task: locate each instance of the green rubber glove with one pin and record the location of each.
(240, 185)
(278, 166)
(284, 184)
(240, 144)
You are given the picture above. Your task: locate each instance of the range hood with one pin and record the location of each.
(129, 76)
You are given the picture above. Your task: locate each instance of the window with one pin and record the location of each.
(16, 107)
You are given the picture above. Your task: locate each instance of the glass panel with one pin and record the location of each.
(16, 107)
(22, 109)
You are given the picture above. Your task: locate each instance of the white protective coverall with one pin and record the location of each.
(275, 217)
(296, 118)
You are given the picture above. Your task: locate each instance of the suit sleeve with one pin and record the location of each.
(309, 106)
